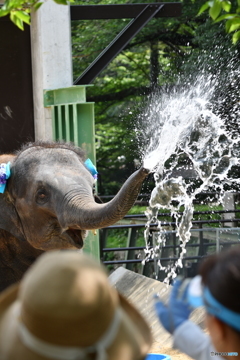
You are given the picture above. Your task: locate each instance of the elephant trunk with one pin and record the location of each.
(89, 215)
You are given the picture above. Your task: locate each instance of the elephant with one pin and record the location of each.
(49, 204)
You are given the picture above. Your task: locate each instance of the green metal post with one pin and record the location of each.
(73, 120)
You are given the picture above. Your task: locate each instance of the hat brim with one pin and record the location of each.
(132, 341)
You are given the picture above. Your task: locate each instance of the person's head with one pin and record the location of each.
(221, 295)
(65, 309)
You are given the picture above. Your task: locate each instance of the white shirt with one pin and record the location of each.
(191, 340)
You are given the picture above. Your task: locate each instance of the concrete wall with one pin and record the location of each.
(51, 59)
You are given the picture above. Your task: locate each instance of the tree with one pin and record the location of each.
(219, 10)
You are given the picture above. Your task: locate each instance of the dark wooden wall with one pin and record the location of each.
(16, 97)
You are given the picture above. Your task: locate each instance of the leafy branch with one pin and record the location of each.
(219, 10)
(20, 10)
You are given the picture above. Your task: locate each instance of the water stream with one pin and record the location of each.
(185, 135)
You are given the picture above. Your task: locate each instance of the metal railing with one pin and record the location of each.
(204, 240)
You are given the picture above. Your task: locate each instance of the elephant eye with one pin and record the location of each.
(42, 196)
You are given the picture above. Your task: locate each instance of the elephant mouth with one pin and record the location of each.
(77, 236)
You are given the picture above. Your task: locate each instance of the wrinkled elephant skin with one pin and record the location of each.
(49, 204)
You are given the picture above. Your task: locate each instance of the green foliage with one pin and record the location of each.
(137, 210)
(20, 10)
(215, 9)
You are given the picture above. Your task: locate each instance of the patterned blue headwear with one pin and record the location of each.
(4, 175)
(88, 163)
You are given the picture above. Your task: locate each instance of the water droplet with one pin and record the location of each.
(182, 125)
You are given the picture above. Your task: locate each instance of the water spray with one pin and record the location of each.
(184, 124)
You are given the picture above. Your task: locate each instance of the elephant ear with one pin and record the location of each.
(9, 219)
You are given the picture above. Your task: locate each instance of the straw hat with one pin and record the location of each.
(65, 309)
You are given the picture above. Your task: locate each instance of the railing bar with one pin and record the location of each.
(169, 223)
(167, 246)
(181, 213)
(202, 193)
(151, 260)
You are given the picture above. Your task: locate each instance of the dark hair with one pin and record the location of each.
(53, 145)
(221, 274)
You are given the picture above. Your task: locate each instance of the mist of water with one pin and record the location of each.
(184, 133)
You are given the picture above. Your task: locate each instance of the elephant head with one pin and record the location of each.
(49, 198)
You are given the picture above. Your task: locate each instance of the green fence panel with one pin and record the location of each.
(73, 120)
